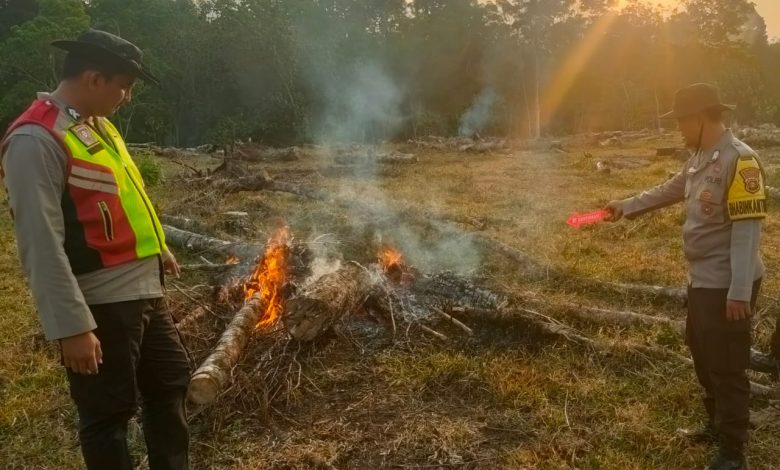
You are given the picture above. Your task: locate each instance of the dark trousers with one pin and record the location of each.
(721, 355)
(144, 363)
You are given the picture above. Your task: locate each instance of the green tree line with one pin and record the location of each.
(292, 71)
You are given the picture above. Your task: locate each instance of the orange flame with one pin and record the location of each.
(390, 258)
(270, 277)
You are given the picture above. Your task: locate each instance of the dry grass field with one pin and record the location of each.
(505, 398)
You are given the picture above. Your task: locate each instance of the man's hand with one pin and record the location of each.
(615, 211)
(738, 310)
(170, 264)
(82, 353)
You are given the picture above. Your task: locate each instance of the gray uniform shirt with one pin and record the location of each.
(35, 173)
(722, 254)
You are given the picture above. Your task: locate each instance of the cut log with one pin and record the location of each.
(392, 158)
(326, 301)
(214, 374)
(620, 318)
(672, 293)
(191, 320)
(184, 223)
(256, 182)
(247, 252)
(268, 154)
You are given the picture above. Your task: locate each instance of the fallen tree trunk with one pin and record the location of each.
(247, 252)
(191, 320)
(393, 158)
(212, 376)
(184, 223)
(672, 293)
(268, 154)
(326, 301)
(621, 318)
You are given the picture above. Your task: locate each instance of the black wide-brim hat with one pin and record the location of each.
(108, 49)
(697, 98)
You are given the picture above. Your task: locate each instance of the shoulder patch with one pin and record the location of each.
(747, 193)
(84, 134)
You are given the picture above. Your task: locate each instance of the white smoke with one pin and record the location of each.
(364, 106)
(361, 102)
(479, 114)
(327, 258)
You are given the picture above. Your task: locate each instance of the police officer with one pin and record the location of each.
(722, 187)
(94, 252)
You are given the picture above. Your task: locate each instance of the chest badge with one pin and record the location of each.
(707, 209)
(85, 135)
(706, 196)
(717, 168)
(752, 179)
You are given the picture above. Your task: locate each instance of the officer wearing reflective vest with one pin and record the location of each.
(722, 187)
(94, 252)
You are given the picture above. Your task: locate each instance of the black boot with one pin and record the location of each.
(766, 363)
(729, 460)
(704, 435)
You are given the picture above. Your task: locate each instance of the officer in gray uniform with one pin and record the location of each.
(723, 189)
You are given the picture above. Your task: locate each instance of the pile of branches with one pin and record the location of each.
(391, 301)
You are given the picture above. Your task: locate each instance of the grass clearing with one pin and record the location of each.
(506, 399)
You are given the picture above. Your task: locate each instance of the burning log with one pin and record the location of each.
(212, 376)
(326, 301)
(197, 242)
(263, 305)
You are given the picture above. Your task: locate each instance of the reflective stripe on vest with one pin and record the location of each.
(109, 219)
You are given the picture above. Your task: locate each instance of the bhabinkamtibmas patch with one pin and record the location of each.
(747, 194)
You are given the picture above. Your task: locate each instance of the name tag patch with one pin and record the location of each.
(85, 135)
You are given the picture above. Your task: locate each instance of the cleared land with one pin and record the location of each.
(503, 399)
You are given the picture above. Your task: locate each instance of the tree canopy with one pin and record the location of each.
(289, 71)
